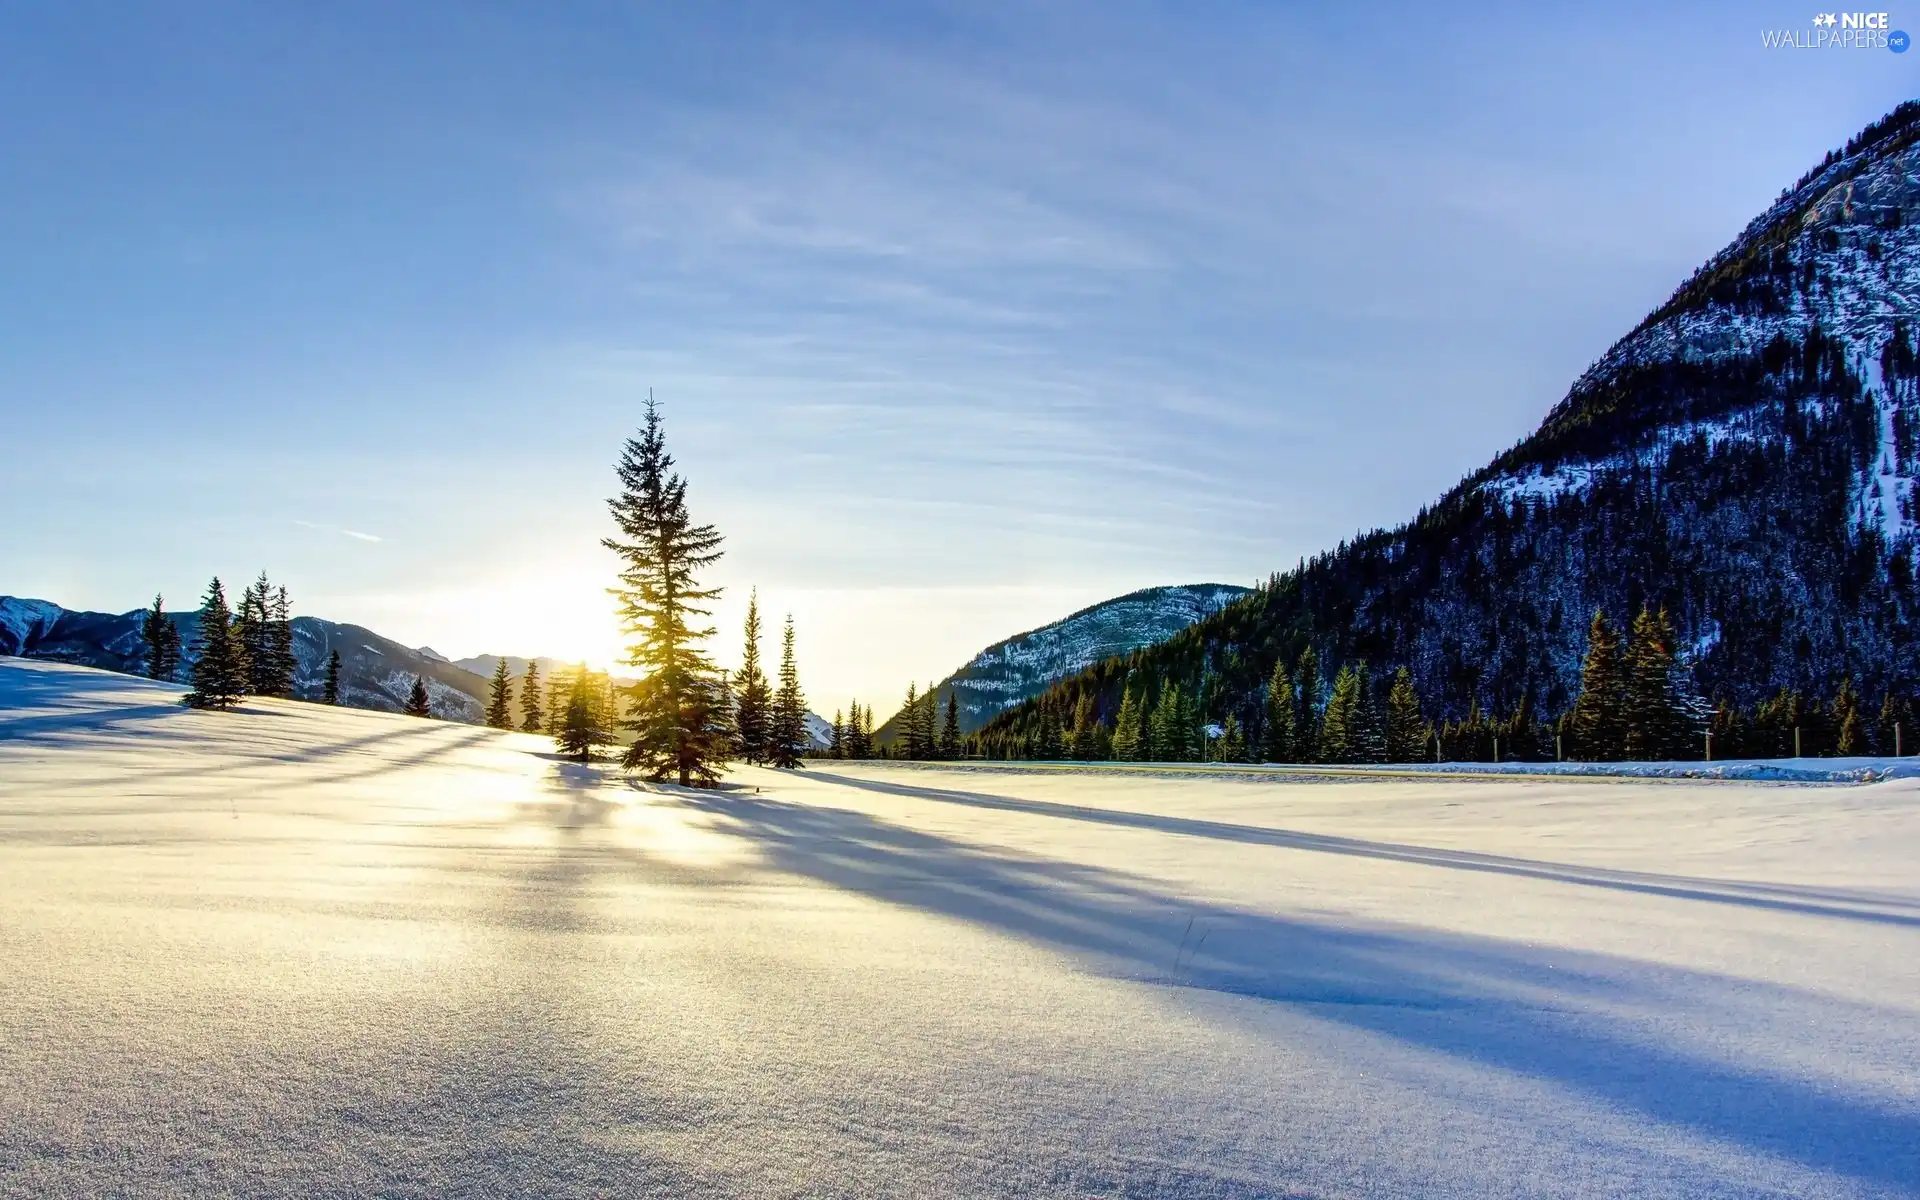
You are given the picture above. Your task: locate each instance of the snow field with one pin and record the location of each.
(301, 951)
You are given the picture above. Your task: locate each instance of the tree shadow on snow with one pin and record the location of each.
(1875, 907)
(1587, 1022)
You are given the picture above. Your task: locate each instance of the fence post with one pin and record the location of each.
(1896, 739)
(1709, 745)
(1496, 748)
(1796, 741)
(1559, 750)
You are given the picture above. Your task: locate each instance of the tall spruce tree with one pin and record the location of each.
(1341, 737)
(1406, 726)
(1306, 730)
(853, 745)
(1599, 714)
(753, 697)
(1278, 742)
(220, 662)
(950, 727)
(837, 746)
(250, 626)
(1659, 719)
(1081, 742)
(330, 690)
(531, 714)
(583, 727)
(1849, 728)
(678, 711)
(276, 677)
(1051, 746)
(499, 697)
(419, 703)
(1174, 727)
(163, 643)
(1233, 740)
(1370, 725)
(788, 723)
(907, 739)
(1129, 728)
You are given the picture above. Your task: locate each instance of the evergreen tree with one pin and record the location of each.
(1173, 728)
(276, 642)
(950, 728)
(1129, 729)
(559, 689)
(1341, 738)
(1278, 740)
(837, 748)
(419, 704)
(1774, 724)
(677, 710)
(906, 742)
(330, 690)
(1661, 722)
(251, 627)
(531, 715)
(1307, 728)
(1081, 743)
(1894, 726)
(1370, 724)
(1233, 743)
(859, 743)
(1599, 714)
(1849, 730)
(1406, 727)
(163, 643)
(788, 723)
(220, 663)
(500, 693)
(1050, 748)
(753, 696)
(583, 727)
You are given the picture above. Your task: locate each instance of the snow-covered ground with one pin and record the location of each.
(301, 951)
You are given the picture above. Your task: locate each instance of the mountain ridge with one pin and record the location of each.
(1016, 667)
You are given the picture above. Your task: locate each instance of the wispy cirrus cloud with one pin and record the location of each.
(343, 532)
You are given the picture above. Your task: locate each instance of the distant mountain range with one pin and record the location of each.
(375, 672)
(1026, 664)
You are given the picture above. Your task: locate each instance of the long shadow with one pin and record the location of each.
(54, 725)
(241, 758)
(1814, 902)
(1545, 1013)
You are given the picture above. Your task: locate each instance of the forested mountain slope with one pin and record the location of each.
(1745, 458)
(1026, 664)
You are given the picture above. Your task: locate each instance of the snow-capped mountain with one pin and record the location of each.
(1745, 457)
(1024, 665)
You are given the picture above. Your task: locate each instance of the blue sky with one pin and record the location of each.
(963, 315)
